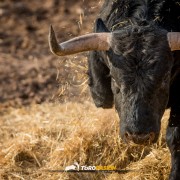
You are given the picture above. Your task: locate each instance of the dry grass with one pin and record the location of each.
(51, 136)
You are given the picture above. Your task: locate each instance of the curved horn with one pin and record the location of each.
(174, 40)
(89, 42)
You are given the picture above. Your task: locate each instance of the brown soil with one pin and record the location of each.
(28, 71)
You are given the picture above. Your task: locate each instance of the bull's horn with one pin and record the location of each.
(174, 40)
(89, 42)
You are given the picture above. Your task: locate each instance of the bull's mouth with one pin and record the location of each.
(140, 139)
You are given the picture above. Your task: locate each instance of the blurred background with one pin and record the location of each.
(29, 73)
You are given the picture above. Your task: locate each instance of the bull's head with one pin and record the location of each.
(139, 60)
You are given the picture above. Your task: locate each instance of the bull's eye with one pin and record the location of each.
(117, 90)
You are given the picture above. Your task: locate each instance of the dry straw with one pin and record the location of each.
(51, 137)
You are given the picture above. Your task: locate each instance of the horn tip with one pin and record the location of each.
(51, 32)
(52, 41)
(51, 28)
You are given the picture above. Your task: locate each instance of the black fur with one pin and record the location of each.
(140, 74)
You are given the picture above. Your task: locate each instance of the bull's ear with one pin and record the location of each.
(100, 26)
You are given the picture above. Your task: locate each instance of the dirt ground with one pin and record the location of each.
(29, 73)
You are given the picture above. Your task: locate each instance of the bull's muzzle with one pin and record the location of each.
(143, 139)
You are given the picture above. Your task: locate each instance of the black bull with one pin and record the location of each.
(135, 64)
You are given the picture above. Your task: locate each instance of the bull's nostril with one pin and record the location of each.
(126, 134)
(128, 137)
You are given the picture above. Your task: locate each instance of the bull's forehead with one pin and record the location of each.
(140, 52)
(137, 66)
(140, 69)
(137, 42)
